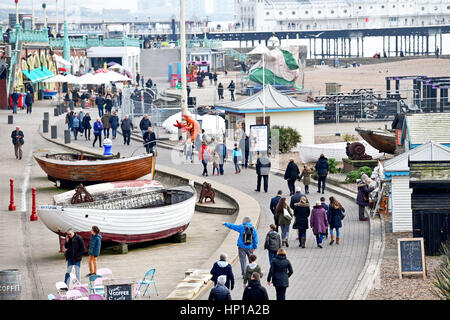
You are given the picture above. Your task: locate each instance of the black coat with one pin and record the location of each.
(334, 217)
(75, 248)
(87, 122)
(99, 101)
(273, 203)
(29, 100)
(255, 292)
(280, 271)
(144, 124)
(150, 138)
(322, 167)
(296, 198)
(292, 171)
(14, 138)
(301, 214)
(220, 293)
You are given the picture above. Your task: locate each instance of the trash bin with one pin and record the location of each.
(107, 144)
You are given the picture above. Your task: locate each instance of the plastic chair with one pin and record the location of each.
(99, 287)
(75, 282)
(95, 297)
(73, 294)
(62, 288)
(104, 272)
(51, 297)
(91, 282)
(149, 278)
(83, 290)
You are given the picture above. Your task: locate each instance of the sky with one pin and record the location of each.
(94, 4)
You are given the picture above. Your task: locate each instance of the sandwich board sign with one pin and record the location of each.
(260, 134)
(411, 257)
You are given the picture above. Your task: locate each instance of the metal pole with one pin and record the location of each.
(264, 95)
(32, 16)
(17, 12)
(57, 24)
(183, 57)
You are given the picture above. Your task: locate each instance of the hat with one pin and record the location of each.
(221, 280)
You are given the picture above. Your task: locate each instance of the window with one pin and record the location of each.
(423, 8)
(359, 7)
(382, 7)
(393, 6)
(448, 7)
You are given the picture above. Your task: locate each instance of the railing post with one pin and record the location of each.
(33, 216)
(12, 206)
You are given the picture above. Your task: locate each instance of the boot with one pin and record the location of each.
(337, 240)
(303, 240)
(332, 240)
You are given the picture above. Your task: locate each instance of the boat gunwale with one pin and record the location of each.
(100, 161)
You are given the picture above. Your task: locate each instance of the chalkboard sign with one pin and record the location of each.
(118, 292)
(411, 256)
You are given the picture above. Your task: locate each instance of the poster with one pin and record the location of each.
(260, 134)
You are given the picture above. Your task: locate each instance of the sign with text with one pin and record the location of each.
(411, 256)
(118, 292)
(260, 134)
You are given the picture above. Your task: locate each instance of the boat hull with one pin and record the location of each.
(88, 172)
(383, 141)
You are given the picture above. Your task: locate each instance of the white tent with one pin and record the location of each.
(71, 79)
(57, 78)
(61, 60)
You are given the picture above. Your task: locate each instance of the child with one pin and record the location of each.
(251, 267)
(216, 162)
(237, 154)
(95, 244)
(306, 174)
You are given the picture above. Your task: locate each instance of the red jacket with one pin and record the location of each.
(202, 151)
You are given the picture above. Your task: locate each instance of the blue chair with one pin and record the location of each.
(51, 297)
(149, 278)
(91, 282)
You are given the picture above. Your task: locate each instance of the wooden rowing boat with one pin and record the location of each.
(70, 169)
(125, 212)
(382, 140)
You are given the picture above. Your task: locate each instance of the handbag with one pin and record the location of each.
(342, 216)
(286, 214)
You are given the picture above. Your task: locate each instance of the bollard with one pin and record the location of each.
(55, 112)
(33, 216)
(54, 132)
(12, 206)
(10, 119)
(66, 136)
(46, 116)
(45, 125)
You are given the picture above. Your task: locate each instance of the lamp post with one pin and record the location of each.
(66, 48)
(183, 57)
(57, 24)
(32, 16)
(17, 11)
(44, 7)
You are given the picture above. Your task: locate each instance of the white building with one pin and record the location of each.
(271, 15)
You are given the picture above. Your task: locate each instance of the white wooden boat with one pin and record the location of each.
(125, 212)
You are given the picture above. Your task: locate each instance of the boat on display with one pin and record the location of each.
(71, 168)
(125, 212)
(382, 140)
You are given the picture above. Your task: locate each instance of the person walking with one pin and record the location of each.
(296, 197)
(144, 124)
(335, 214)
(301, 214)
(149, 140)
(291, 174)
(106, 124)
(15, 100)
(87, 126)
(116, 102)
(114, 123)
(255, 291)
(215, 78)
(251, 268)
(231, 88)
(100, 102)
(17, 140)
(322, 172)
(216, 163)
(188, 150)
(273, 242)
(98, 128)
(108, 103)
(220, 91)
(262, 171)
(69, 118)
(306, 175)
(81, 117)
(247, 240)
(246, 148)
(284, 218)
(138, 77)
(205, 156)
(319, 222)
(29, 101)
(362, 199)
(273, 206)
(75, 249)
(220, 292)
(210, 77)
(221, 149)
(279, 274)
(223, 268)
(126, 126)
(95, 244)
(75, 125)
(237, 154)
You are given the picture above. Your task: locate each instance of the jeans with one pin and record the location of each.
(272, 254)
(15, 107)
(281, 293)
(29, 108)
(114, 132)
(337, 232)
(92, 264)
(216, 169)
(221, 168)
(236, 165)
(106, 131)
(322, 181)
(301, 233)
(100, 111)
(319, 238)
(70, 265)
(245, 163)
(205, 168)
(75, 133)
(143, 132)
(361, 211)
(266, 182)
(232, 95)
(284, 232)
(87, 134)
(149, 148)
(126, 136)
(244, 254)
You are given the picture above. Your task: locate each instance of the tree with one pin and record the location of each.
(289, 138)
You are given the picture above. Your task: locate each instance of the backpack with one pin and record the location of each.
(248, 235)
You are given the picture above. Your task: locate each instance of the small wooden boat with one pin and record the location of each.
(382, 140)
(125, 212)
(70, 169)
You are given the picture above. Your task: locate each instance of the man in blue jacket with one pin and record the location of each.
(247, 241)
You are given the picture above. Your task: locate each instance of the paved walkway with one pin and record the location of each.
(328, 273)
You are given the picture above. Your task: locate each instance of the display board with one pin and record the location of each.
(411, 256)
(260, 134)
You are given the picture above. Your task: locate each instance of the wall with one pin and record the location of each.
(155, 62)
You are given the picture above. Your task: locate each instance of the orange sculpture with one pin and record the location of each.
(188, 124)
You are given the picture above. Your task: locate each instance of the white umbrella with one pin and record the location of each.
(57, 78)
(118, 67)
(71, 79)
(110, 76)
(61, 60)
(88, 78)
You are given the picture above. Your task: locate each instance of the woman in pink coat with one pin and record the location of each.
(319, 222)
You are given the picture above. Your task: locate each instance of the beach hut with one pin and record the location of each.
(397, 171)
(419, 128)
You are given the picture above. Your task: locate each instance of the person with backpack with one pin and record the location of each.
(247, 241)
(335, 214)
(220, 292)
(273, 242)
(251, 268)
(284, 218)
(205, 156)
(255, 291)
(223, 268)
(262, 171)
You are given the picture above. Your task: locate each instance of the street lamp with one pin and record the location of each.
(183, 57)
(44, 6)
(17, 11)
